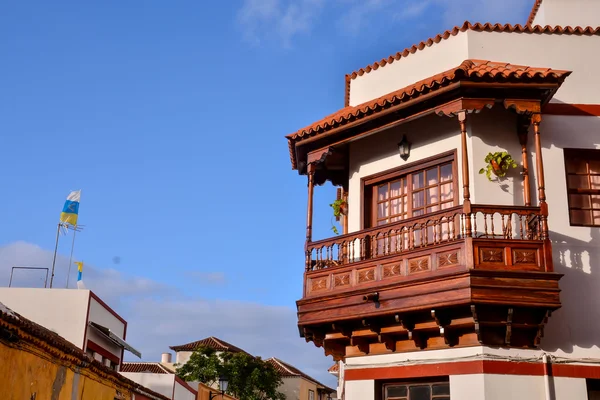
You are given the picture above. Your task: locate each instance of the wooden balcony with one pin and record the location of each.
(444, 279)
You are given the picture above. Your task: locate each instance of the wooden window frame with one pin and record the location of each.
(371, 180)
(421, 382)
(310, 391)
(587, 154)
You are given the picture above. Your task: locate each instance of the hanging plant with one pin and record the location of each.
(498, 164)
(340, 207)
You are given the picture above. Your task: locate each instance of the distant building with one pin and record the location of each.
(299, 386)
(159, 378)
(40, 364)
(79, 316)
(183, 352)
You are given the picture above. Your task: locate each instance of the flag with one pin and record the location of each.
(79, 269)
(71, 209)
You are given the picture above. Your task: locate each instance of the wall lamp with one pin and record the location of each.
(223, 383)
(404, 148)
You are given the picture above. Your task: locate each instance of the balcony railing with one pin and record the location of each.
(499, 223)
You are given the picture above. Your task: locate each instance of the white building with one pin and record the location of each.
(159, 378)
(79, 316)
(444, 284)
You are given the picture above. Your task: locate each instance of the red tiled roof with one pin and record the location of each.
(536, 6)
(146, 367)
(289, 371)
(212, 342)
(334, 369)
(473, 70)
(57, 347)
(477, 27)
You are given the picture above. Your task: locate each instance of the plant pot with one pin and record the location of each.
(344, 209)
(496, 168)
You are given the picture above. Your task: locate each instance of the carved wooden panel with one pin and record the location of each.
(419, 264)
(524, 256)
(366, 275)
(448, 259)
(318, 284)
(491, 255)
(392, 270)
(341, 280)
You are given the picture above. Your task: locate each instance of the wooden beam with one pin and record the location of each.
(477, 328)
(462, 117)
(523, 106)
(509, 319)
(537, 119)
(309, 213)
(523, 123)
(470, 105)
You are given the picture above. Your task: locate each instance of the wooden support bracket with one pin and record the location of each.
(509, 319)
(476, 320)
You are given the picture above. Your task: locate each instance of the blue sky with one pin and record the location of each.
(170, 116)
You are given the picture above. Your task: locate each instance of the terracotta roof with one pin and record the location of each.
(289, 371)
(212, 342)
(334, 369)
(477, 27)
(146, 367)
(472, 70)
(20, 328)
(536, 6)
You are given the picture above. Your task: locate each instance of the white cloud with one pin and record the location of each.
(159, 317)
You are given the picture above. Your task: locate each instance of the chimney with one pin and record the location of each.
(166, 358)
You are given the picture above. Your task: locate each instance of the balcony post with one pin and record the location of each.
(536, 119)
(522, 132)
(462, 117)
(309, 211)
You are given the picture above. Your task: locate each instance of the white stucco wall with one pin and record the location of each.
(181, 357)
(63, 311)
(360, 390)
(183, 393)
(568, 12)
(160, 383)
(102, 316)
(291, 388)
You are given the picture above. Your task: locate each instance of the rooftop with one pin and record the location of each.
(289, 371)
(144, 367)
(212, 342)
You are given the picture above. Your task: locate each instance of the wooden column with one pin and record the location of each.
(536, 119)
(309, 211)
(462, 118)
(522, 131)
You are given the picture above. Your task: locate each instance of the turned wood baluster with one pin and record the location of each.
(309, 213)
(522, 131)
(462, 117)
(537, 119)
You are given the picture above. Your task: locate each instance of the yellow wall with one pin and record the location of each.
(29, 373)
(305, 386)
(204, 393)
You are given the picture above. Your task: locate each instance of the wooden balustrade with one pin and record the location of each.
(418, 233)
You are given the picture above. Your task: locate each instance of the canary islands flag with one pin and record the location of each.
(71, 209)
(79, 269)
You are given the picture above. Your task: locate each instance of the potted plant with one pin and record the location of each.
(498, 164)
(340, 207)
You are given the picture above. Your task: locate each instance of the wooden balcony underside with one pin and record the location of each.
(431, 284)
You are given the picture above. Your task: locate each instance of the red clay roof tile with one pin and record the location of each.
(146, 367)
(334, 369)
(212, 342)
(536, 6)
(477, 27)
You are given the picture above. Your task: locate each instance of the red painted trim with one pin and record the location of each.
(185, 385)
(103, 352)
(110, 310)
(572, 109)
(473, 367)
(87, 320)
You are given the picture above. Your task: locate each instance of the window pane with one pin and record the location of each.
(432, 176)
(417, 213)
(446, 172)
(397, 391)
(595, 201)
(595, 181)
(420, 393)
(395, 189)
(382, 210)
(578, 182)
(439, 389)
(418, 199)
(576, 166)
(594, 166)
(432, 195)
(396, 207)
(382, 192)
(596, 218)
(447, 205)
(432, 209)
(579, 200)
(417, 180)
(580, 217)
(446, 192)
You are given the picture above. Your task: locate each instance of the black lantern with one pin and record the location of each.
(223, 383)
(404, 148)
